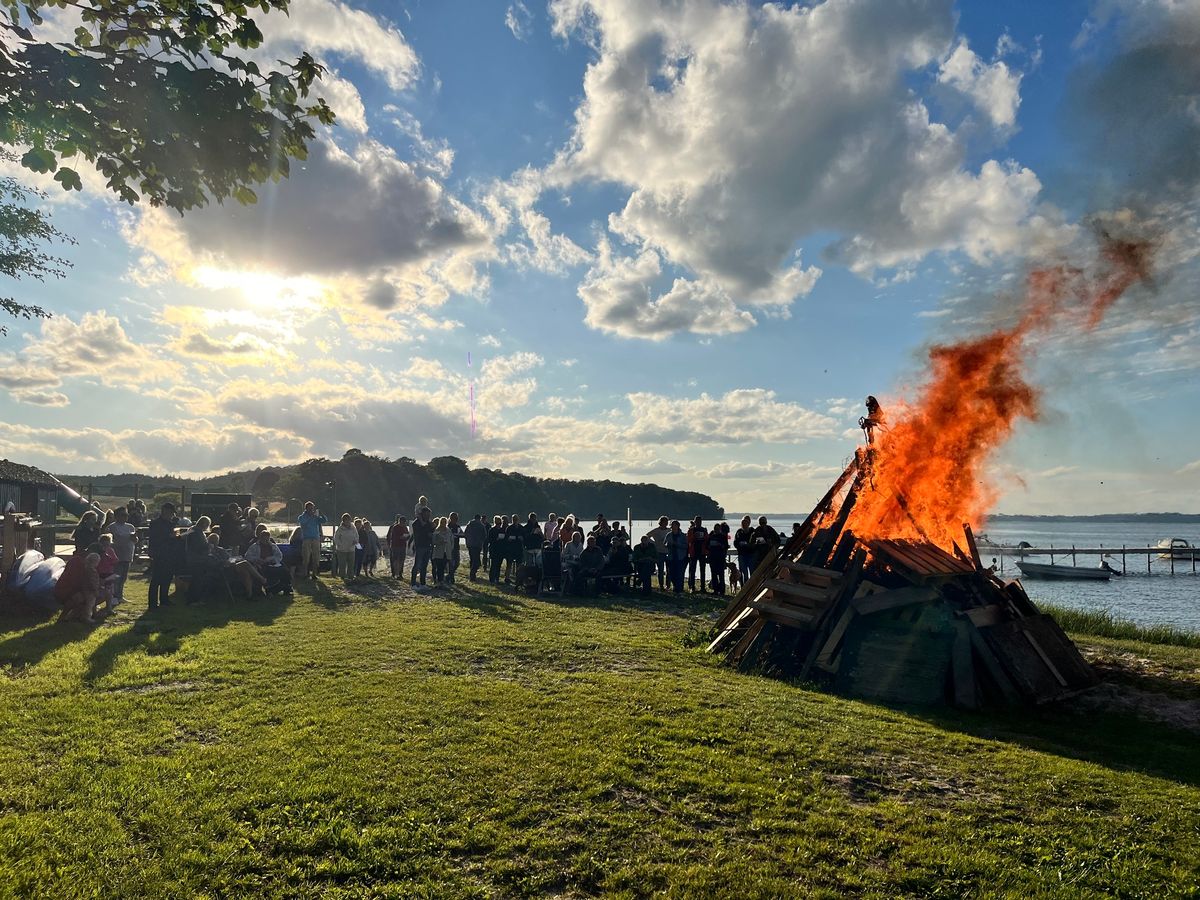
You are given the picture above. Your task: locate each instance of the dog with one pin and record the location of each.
(735, 577)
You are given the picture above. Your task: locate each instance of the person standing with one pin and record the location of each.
(453, 559)
(677, 555)
(440, 551)
(87, 531)
(345, 539)
(718, 555)
(659, 537)
(370, 548)
(743, 543)
(231, 528)
(125, 540)
(397, 541)
(360, 548)
(645, 559)
(550, 532)
(766, 539)
(697, 540)
(163, 550)
(422, 541)
(475, 535)
(310, 522)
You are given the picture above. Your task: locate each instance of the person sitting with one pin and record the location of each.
(603, 533)
(645, 562)
(107, 569)
(591, 563)
(267, 559)
(234, 568)
(571, 552)
(83, 592)
(249, 532)
(617, 567)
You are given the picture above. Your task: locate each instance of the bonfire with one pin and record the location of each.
(882, 592)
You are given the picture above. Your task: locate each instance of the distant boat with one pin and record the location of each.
(1177, 548)
(1074, 573)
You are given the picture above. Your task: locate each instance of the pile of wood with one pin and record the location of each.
(894, 620)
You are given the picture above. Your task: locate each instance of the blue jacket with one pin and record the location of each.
(677, 546)
(310, 526)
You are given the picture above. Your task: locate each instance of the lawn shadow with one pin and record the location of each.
(686, 606)
(1117, 741)
(505, 606)
(35, 643)
(161, 632)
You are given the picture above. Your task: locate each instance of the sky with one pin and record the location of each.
(652, 241)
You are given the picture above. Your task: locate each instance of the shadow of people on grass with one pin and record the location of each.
(37, 641)
(161, 632)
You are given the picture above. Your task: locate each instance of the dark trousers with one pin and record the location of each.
(420, 562)
(676, 567)
(497, 559)
(475, 553)
(692, 563)
(358, 561)
(161, 574)
(716, 574)
(663, 568)
(439, 570)
(122, 573)
(645, 572)
(745, 565)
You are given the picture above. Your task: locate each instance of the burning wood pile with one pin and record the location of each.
(897, 619)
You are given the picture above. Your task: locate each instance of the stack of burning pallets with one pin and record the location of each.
(902, 621)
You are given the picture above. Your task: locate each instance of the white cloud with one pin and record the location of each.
(328, 28)
(740, 129)
(993, 88)
(768, 470)
(653, 466)
(519, 20)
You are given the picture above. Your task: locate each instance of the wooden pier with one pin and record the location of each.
(1180, 562)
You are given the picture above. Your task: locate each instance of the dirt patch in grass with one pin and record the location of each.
(907, 781)
(1167, 709)
(158, 687)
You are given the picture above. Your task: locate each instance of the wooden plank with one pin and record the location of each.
(972, 547)
(729, 630)
(999, 677)
(783, 615)
(746, 640)
(1045, 658)
(982, 616)
(762, 571)
(849, 586)
(880, 602)
(753, 652)
(810, 574)
(964, 669)
(802, 591)
(824, 659)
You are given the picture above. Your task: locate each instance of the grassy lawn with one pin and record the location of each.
(376, 743)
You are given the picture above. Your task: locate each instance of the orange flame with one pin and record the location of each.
(928, 471)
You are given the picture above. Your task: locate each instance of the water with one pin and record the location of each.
(1155, 599)
(1147, 599)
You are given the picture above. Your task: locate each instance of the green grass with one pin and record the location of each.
(479, 744)
(1102, 623)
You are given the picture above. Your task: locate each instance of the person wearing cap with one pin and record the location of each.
(163, 550)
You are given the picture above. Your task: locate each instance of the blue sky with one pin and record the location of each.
(678, 241)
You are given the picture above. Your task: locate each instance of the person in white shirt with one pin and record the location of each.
(125, 541)
(550, 532)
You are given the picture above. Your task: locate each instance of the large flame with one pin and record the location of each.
(928, 466)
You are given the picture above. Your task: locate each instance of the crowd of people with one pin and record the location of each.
(238, 552)
(599, 556)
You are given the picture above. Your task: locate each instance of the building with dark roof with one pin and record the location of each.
(28, 490)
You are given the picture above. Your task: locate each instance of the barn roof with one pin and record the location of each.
(15, 473)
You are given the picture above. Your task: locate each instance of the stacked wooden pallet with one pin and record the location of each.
(894, 620)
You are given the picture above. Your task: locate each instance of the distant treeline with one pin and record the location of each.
(381, 488)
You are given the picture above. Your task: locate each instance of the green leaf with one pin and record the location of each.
(245, 196)
(39, 160)
(69, 179)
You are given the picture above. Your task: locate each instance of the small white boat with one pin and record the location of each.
(1074, 573)
(1177, 548)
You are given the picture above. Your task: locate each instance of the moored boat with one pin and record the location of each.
(1075, 573)
(1177, 548)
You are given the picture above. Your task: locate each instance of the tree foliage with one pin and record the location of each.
(24, 232)
(161, 96)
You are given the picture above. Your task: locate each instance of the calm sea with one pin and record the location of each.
(1150, 598)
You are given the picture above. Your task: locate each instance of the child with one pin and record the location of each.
(107, 570)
